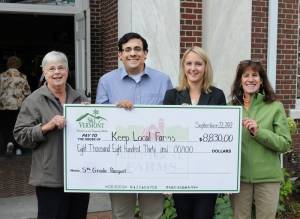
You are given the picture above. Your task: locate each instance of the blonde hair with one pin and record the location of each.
(208, 72)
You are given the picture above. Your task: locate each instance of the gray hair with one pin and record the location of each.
(55, 56)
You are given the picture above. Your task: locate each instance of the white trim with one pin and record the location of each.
(88, 53)
(295, 113)
(272, 42)
(124, 20)
(80, 5)
(80, 52)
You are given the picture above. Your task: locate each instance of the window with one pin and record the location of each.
(41, 2)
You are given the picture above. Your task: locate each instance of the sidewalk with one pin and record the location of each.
(25, 207)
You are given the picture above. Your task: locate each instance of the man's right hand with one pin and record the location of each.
(126, 104)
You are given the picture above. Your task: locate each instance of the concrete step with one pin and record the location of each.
(25, 207)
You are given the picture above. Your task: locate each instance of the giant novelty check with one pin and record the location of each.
(152, 149)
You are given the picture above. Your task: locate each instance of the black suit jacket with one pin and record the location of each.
(175, 97)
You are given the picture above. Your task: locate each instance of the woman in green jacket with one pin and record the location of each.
(265, 136)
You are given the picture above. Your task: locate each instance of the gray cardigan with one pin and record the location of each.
(47, 155)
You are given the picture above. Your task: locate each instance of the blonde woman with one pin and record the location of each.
(195, 88)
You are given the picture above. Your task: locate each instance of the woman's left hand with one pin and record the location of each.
(251, 125)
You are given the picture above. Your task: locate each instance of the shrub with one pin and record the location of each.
(292, 125)
(169, 210)
(286, 190)
(223, 208)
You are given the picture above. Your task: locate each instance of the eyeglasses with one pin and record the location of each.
(135, 49)
(249, 61)
(52, 69)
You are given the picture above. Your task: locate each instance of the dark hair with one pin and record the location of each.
(128, 36)
(265, 88)
(14, 62)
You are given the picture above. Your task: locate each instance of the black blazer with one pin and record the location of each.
(175, 97)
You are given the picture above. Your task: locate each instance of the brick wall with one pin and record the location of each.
(294, 157)
(287, 45)
(259, 30)
(109, 11)
(190, 24)
(96, 44)
(104, 38)
(286, 54)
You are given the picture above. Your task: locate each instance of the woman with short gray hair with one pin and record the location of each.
(40, 127)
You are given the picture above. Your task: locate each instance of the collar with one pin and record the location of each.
(124, 74)
(13, 71)
(185, 97)
(257, 97)
(70, 92)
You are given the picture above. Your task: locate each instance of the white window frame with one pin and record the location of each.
(295, 113)
(80, 5)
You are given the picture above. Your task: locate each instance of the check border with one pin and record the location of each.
(236, 190)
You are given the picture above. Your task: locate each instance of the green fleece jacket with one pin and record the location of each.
(260, 161)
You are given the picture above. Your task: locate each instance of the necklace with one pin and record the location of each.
(246, 101)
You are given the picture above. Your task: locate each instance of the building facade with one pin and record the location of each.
(229, 31)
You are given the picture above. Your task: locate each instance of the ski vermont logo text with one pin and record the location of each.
(91, 120)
